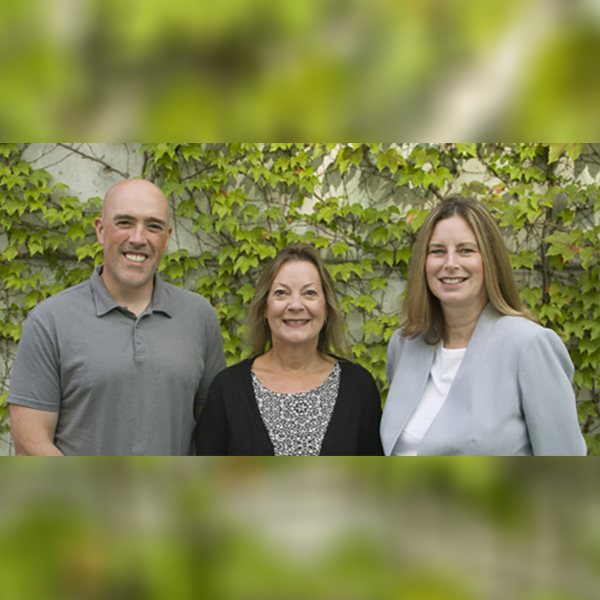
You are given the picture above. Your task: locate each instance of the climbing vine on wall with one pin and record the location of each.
(361, 205)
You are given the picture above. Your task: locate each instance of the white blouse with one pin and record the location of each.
(445, 367)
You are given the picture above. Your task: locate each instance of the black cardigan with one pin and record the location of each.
(231, 424)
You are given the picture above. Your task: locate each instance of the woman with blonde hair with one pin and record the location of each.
(297, 395)
(471, 372)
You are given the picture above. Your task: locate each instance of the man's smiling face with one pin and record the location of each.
(134, 230)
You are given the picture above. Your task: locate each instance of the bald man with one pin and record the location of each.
(119, 365)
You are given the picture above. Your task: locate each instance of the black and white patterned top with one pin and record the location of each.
(297, 422)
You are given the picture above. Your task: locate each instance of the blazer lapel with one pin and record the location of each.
(456, 410)
(406, 390)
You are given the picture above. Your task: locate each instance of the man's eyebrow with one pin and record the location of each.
(156, 220)
(148, 220)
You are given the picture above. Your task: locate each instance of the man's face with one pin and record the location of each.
(134, 231)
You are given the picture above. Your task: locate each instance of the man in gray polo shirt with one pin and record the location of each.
(120, 364)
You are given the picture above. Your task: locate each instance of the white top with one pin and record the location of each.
(445, 367)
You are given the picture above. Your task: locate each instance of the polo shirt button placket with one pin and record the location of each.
(139, 349)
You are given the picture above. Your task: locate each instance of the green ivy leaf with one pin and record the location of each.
(557, 150)
(340, 248)
(469, 150)
(366, 302)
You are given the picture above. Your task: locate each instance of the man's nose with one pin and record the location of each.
(137, 235)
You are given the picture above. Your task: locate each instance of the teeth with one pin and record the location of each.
(135, 257)
(457, 280)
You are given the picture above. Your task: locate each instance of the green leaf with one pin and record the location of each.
(404, 254)
(244, 263)
(385, 256)
(587, 255)
(526, 259)
(346, 303)
(372, 327)
(246, 292)
(380, 235)
(563, 244)
(469, 150)
(340, 248)
(35, 245)
(250, 212)
(76, 232)
(378, 283)
(389, 159)
(416, 218)
(531, 296)
(557, 150)
(366, 302)
(359, 350)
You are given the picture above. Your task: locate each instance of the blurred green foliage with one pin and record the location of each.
(295, 529)
(115, 70)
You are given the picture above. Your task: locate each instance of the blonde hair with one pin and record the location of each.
(332, 339)
(422, 311)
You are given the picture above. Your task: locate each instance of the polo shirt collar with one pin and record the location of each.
(160, 297)
(105, 303)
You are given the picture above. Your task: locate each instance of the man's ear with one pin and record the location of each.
(168, 238)
(99, 225)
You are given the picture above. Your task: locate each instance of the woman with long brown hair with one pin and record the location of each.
(471, 372)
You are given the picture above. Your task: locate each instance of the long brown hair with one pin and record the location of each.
(332, 339)
(422, 311)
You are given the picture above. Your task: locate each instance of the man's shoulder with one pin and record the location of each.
(187, 298)
(64, 302)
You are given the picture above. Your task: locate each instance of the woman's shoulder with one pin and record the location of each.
(400, 340)
(354, 370)
(518, 333)
(237, 370)
(518, 328)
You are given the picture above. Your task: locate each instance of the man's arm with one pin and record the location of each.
(214, 357)
(33, 431)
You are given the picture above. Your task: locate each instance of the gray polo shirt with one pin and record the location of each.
(122, 385)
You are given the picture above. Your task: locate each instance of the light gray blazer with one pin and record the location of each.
(512, 394)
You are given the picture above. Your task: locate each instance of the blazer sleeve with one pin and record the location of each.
(545, 372)
(212, 430)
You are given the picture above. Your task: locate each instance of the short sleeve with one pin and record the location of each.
(35, 376)
(214, 357)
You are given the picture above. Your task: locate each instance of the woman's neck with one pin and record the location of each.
(459, 326)
(291, 358)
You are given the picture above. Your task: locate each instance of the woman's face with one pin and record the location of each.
(454, 266)
(296, 308)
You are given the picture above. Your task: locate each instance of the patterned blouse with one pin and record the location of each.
(297, 423)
